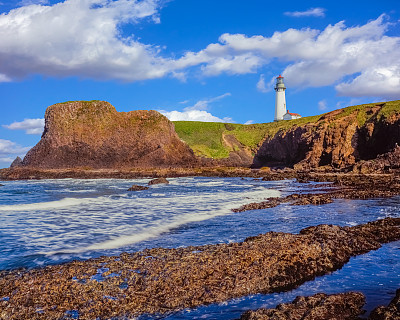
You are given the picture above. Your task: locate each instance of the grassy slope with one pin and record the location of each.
(205, 138)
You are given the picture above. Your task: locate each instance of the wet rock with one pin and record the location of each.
(165, 280)
(137, 188)
(158, 181)
(391, 312)
(343, 306)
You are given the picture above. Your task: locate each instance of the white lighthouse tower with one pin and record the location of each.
(280, 100)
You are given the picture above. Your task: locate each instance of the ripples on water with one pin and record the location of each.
(53, 221)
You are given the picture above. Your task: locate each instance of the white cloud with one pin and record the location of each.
(204, 104)
(79, 37)
(83, 38)
(197, 112)
(313, 12)
(261, 85)
(322, 105)
(249, 122)
(31, 126)
(193, 115)
(8, 147)
(7, 160)
(374, 81)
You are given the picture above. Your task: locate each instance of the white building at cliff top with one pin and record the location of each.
(280, 102)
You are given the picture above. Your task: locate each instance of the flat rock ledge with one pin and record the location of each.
(166, 280)
(343, 306)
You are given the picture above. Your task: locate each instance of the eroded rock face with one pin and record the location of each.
(164, 280)
(94, 135)
(337, 139)
(16, 163)
(344, 306)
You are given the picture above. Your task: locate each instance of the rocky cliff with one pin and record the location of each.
(93, 134)
(338, 139)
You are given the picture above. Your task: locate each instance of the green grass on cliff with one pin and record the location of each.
(206, 138)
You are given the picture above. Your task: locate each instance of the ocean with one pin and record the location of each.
(46, 222)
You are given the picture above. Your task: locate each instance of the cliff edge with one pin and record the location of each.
(93, 134)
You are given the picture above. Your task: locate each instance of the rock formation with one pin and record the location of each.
(339, 138)
(16, 163)
(93, 134)
(343, 306)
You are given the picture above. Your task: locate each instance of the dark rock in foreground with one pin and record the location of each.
(344, 306)
(158, 181)
(165, 280)
(137, 188)
(391, 312)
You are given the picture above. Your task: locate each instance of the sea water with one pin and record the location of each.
(53, 221)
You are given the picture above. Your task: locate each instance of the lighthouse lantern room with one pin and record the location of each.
(280, 100)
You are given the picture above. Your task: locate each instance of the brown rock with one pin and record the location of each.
(94, 135)
(338, 139)
(16, 163)
(137, 188)
(158, 181)
(343, 306)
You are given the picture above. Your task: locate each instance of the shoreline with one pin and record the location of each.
(167, 280)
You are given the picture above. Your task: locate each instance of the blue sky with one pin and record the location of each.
(194, 60)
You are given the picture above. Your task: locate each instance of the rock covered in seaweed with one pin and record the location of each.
(92, 134)
(137, 188)
(163, 280)
(158, 181)
(343, 306)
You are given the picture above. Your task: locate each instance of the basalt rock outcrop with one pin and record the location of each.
(165, 280)
(94, 135)
(343, 306)
(339, 139)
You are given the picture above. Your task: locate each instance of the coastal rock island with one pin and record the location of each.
(93, 134)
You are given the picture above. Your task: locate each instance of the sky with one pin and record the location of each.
(202, 60)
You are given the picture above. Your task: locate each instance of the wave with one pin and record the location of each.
(165, 226)
(63, 203)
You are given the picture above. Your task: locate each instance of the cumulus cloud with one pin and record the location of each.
(320, 58)
(8, 148)
(193, 115)
(79, 37)
(374, 81)
(84, 38)
(198, 112)
(249, 122)
(31, 126)
(313, 12)
(322, 105)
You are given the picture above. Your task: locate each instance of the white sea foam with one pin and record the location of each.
(209, 205)
(66, 202)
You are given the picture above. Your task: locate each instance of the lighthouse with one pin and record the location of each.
(280, 100)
